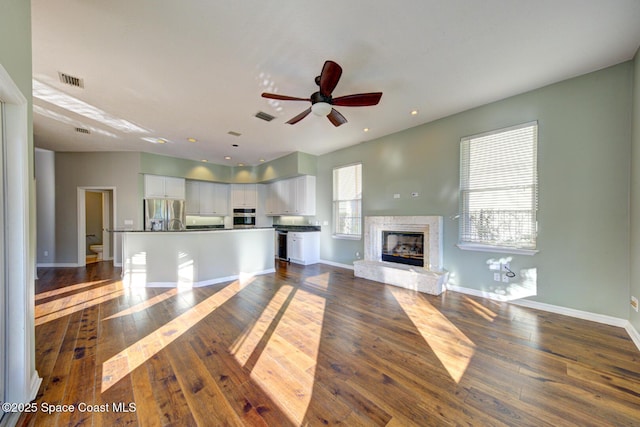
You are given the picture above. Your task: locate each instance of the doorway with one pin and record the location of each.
(96, 214)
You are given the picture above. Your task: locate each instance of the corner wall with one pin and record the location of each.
(583, 168)
(97, 170)
(634, 248)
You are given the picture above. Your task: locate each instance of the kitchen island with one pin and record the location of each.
(195, 258)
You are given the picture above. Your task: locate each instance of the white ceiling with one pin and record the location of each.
(179, 69)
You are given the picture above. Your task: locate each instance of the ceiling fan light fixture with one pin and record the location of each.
(321, 108)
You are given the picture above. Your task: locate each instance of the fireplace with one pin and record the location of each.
(404, 251)
(403, 247)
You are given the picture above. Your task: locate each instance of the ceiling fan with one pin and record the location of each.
(322, 102)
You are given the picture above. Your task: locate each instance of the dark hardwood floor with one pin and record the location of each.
(315, 346)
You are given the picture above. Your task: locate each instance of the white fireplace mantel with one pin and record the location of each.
(429, 279)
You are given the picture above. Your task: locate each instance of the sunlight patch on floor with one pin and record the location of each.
(244, 346)
(145, 304)
(66, 289)
(437, 332)
(70, 304)
(321, 281)
(123, 363)
(481, 310)
(286, 369)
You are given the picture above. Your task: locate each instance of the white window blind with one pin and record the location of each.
(347, 201)
(499, 187)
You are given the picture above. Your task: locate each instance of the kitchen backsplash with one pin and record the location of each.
(205, 220)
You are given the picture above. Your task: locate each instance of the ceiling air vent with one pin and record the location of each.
(83, 130)
(71, 80)
(264, 116)
(234, 133)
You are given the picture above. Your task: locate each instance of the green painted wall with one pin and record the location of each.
(634, 317)
(288, 166)
(172, 166)
(583, 163)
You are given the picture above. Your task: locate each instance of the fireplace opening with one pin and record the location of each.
(403, 247)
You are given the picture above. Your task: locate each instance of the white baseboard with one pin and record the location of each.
(336, 264)
(633, 333)
(241, 277)
(579, 314)
(57, 264)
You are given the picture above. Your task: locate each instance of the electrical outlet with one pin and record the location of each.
(496, 277)
(357, 255)
(505, 278)
(415, 194)
(634, 303)
(46, 253)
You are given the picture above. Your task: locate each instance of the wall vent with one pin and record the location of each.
(264, 116)
(70, 80)
(83, 130)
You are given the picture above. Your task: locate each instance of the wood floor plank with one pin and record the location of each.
(312, 345)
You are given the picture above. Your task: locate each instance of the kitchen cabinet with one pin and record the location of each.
(303, 247)
(214, 199)
(296, 196)
(207, 198)
(164, 187)
(244, 195)
(305, 195)
(192, 198)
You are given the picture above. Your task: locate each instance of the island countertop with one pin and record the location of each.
(191, 258)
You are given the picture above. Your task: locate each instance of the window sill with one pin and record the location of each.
(345, 237)
(498, 249)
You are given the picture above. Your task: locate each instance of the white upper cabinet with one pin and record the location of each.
(164, 187)
(296, 196)
(305, 195)
(244, 195)
(207, 198)
(192, 199)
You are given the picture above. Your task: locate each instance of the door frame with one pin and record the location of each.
(82, 222)
(21, 380)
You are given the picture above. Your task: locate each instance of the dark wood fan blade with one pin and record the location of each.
(283, 97)
(358, 100)
(336, 118)
(300, 116)
(329, 77)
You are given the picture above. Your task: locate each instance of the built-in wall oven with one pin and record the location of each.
(244, 218)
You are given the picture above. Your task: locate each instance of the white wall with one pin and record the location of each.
(46, 205)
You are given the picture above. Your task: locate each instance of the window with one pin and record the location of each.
(499, 189)
(347, 201)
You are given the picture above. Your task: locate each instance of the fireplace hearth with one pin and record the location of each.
(403, 247)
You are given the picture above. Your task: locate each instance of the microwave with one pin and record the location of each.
(244, 218)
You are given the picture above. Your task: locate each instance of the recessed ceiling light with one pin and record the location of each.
(204, 160)
(261, 160)
(192, 140)
(227, 157)
(161, 141)
(414, 112)
(366, 129)
(240, 164)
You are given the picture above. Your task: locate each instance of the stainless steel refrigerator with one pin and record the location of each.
(164, 215)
